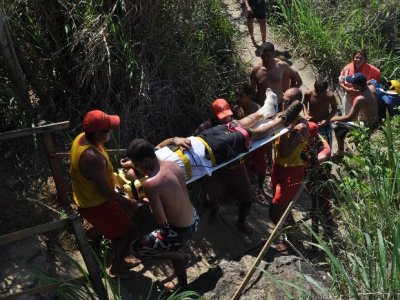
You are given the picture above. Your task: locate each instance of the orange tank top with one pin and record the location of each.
(84, 192)
(292, 160)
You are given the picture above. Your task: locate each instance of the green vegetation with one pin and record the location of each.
(83, 288)
(327, 32)
(365, 255)
(158, 64)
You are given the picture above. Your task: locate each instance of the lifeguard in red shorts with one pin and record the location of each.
(93, 189)
(288, 168)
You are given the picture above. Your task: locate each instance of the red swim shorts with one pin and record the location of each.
(108, 218)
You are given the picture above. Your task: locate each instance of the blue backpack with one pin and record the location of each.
(387, 100)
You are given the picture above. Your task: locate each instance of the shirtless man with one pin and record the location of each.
(269, 74)
(365, 109)
(289, 80)
(170, 207)
(246, 106)
(319, 107)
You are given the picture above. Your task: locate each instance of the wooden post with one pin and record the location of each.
(57, 171)
(90, 261)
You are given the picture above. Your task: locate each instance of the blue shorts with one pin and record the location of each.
(326, 132)
(165, 239)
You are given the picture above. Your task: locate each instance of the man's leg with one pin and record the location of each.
(263, 29)
(250, 26)
(340, 134)
(289, 181)
(213, 187)
(112, 222)
(179, 262)
(119, 262)
(288, 116)
(238, 181)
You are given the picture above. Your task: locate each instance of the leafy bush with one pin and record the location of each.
(158, 64)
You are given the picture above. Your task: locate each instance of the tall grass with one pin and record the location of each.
(365, 263)
(327, 32)
(158, 64)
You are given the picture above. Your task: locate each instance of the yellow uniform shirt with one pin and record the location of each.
(84, 192)
(292, 160)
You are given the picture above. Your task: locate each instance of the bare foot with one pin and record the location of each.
(122, 274)
(131, 262)
(281, 246)
(171, 286)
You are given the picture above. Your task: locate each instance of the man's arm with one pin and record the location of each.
(353, 113)
(333, 105)
(295, 79)
(177, 141)
(298, 134)
(157, 209)
(253, 80)
(248, 8)
(306, 101)
(93, 167)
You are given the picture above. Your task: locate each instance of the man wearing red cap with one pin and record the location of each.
(364, 108)
(93, 188)
(233, 176)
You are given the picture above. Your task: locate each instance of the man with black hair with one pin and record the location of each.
(364, 109)
(168, 198)
(319, 107)
(269, 73)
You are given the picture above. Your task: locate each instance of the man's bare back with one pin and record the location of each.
(368, 106)
(167, 193)
(365, 108)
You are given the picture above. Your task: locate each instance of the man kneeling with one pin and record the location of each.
(170, 206)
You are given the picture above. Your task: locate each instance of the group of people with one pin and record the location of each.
(231, 131)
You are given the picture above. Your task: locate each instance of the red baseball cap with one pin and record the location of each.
(97, 120)
(221, 108)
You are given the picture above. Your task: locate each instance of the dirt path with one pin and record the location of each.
(222, 243)
(247, 50)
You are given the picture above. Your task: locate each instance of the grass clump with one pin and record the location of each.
(327, 32)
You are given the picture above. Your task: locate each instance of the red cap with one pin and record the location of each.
(97, 120)
(313, 128)
(221, 108)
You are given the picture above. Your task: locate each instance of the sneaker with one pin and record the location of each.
(270, 107)
(292, 112)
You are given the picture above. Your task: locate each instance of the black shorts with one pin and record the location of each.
(259, 9)
(224, 143)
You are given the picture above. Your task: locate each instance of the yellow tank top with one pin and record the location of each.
(292, 160)
(84, 192)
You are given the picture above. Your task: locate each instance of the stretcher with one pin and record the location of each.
(134, 189)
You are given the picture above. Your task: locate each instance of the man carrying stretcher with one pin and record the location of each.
(197, 155)
(165, 187)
